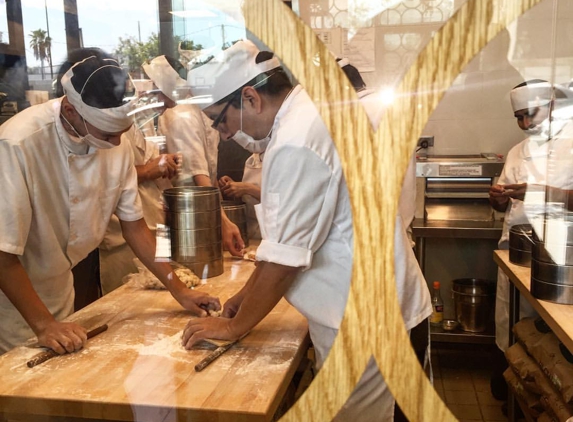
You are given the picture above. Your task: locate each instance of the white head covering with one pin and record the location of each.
(164, 76)
(229, 71)
(110, 120)
(532, 95)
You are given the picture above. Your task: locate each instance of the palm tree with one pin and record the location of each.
(41, 44)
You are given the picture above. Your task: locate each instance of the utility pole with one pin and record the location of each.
(139, 31)
(223, 34)
(50, 52)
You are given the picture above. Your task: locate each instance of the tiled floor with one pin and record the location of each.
(461, 378)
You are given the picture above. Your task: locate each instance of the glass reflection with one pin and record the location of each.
(472, 128)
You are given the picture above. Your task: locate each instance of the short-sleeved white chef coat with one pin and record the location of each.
(253, 173)
(550, 163)
(57, 200)
(305, 220)
(188, 130)
(116, 257)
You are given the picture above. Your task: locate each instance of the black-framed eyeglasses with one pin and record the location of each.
(221, 117)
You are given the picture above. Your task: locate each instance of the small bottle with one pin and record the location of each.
(437, 305)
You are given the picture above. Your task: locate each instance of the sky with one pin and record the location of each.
(103, 22)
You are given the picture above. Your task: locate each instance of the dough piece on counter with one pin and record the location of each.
(213, 313)
(188, 277)
(250, 255)
(146, 280)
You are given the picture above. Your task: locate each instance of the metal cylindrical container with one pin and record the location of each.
(552, 273)
(553, 253)
(194, 218)
(192, 199)
(557, 293)
(473, 301)
(520, 244)
(237, 213)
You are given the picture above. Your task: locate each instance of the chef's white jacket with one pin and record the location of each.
(305, 220)
(57, 200)
(253, 173)
(116, 257)
(188, 130)
(550, 163)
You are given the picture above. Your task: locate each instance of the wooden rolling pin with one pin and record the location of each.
(49, 354)
(214, 355)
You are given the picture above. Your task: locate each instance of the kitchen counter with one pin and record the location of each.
(138, 370)
(558, 317)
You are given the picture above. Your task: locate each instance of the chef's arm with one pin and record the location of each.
(264, 289)
(202, 180)
(62, 337)
(142, 242)
(266, 286)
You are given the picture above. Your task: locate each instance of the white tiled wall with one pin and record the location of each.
(475, 114)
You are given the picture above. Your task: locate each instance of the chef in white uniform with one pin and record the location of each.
(64, 173)
(304, 216)
(249, 189)
(154, 172)
(543, 159)
(188, 131)
(374, 108)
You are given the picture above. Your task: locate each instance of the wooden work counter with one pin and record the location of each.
(138, 370)
(558, 317)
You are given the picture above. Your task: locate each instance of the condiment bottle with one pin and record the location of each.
(437, 305)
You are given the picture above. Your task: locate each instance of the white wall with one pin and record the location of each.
(475, 114)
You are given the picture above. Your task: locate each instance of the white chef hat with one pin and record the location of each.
(531, 94)
(111, 78)
(228, 71)
(164, 76)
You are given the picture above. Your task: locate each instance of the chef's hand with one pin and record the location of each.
(232, 306)
(62, 337)
(235, 190)
(515, 191)
(231, 236)
(223, 181)
(207, 328)
(165, 165)
(199, 303)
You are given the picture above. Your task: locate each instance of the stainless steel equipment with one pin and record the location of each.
(521, 244)
(455, 188)
(455, 229)
(473, 300)
(194, 218)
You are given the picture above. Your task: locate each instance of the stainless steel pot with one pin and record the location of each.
(193, 220)
(553, 254)
(473, 301)
(520, 244)
(192, 199)
(551, 273)
(207, 269)
(205, 253)
(557, 293)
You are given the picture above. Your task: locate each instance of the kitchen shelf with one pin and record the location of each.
(457, 229)
(438, 335)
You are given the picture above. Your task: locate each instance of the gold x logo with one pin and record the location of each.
(373, 324)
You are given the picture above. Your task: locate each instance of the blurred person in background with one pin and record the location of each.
(188, 131)
(536, 171)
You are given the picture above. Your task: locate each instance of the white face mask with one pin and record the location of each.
(88, 139)
(248, 142)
